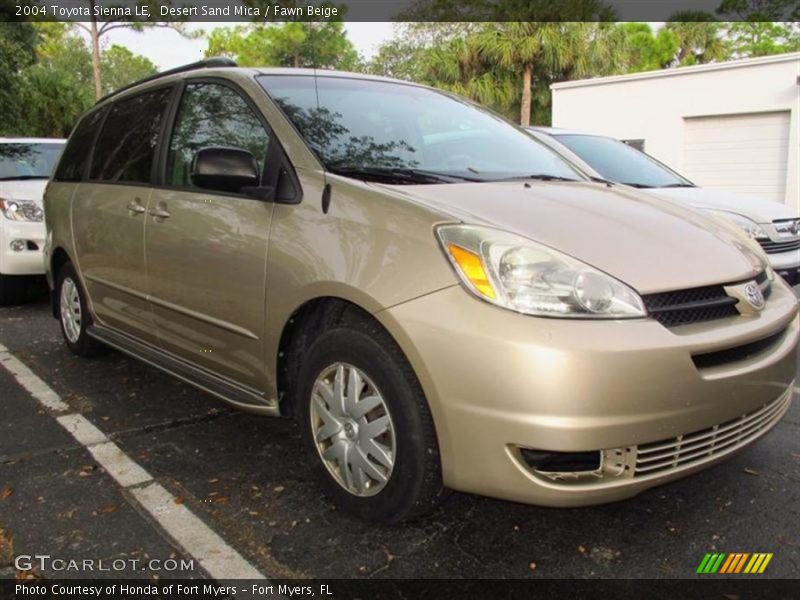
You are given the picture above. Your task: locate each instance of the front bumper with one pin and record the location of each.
(29, 261)
(498, 382)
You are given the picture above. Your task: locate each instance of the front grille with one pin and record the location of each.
(696, 305)
(684, 450)
(690, 306)
(771, 247)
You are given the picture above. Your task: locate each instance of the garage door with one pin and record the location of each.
(739, 153)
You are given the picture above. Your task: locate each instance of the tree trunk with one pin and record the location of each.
(98, 87)
(525, 108)
(297, 57)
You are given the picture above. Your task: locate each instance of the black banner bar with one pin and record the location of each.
(704, 588)
(395, 10)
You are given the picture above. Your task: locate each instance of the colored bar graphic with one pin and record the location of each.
(717, 564)
(723, 563)
(741, 562)
(765, 563)
(703, 564)
(732, 559)
(756, 558)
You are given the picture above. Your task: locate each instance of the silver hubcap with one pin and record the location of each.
(70, 310)
(353, 429)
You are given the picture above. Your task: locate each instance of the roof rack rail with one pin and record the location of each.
(209, 63)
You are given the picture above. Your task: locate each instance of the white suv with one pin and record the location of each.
(25, 166)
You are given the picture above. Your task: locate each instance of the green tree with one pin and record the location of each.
(518, 47)
(17, 51)
(407, 54)
(763, 27)
(123, 67)
(700, 38)
(460, 66)
(762, 38)
(648, 51)
(398, 58)
(456, 57)
(293, 44)
(58, 88)
(98, 29)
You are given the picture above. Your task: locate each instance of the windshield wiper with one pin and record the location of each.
(398, 174)
(678, 185)
(537, 177)
(641, 186)
(24, 177)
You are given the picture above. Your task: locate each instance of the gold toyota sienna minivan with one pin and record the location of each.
(439, 300)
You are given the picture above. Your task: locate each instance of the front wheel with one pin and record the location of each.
(73, 315)
(367, 426)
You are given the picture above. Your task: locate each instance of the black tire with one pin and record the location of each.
(84, 345)
(414, 486)
(13, 289)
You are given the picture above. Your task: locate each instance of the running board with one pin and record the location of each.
(242, 398)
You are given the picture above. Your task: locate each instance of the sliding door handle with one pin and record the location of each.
(159, 213)
(135, 207)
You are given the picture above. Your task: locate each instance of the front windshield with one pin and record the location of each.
(361, 127)
(617, 161)
(20, 160)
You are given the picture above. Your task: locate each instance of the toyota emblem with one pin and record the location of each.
(754, 295)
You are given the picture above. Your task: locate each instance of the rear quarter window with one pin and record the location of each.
(75, 158)
(126, 147)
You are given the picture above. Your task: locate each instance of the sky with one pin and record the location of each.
(166, 48)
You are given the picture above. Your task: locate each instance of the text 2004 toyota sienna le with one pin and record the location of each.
(439, 300)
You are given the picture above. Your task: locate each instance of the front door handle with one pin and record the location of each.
(160, 212)
(135, 207)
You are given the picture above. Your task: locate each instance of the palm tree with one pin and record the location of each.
(518, 46)
(458, 66)
(700, 37)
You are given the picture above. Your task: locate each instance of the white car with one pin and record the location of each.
(25, 167)
(773, 225)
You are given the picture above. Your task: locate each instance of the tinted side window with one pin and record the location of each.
(212, 114)
(127, 144)
(73, 161)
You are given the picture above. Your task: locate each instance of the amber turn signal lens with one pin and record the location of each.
(472, 268)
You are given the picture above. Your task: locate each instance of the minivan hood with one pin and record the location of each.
(755, 209)
(651, 244)
(25, 189)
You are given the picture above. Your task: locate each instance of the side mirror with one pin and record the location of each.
(225, 169)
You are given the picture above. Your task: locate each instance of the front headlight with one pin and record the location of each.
(750, 227)
(521, 275)
(21, 210)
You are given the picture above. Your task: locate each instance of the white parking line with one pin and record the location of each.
(218, 558)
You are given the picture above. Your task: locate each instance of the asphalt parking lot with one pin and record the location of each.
(240, 475)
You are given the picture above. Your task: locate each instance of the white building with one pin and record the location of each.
(734, 126)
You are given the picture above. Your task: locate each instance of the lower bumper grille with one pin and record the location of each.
(684, 450)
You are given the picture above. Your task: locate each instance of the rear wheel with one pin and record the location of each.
(12, 289)
(367, 426)
(73, 314)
